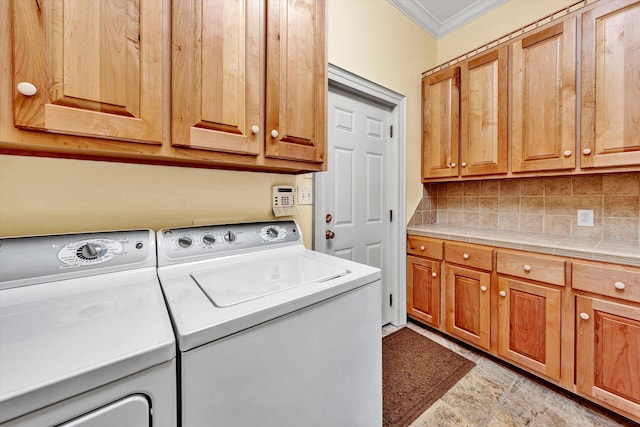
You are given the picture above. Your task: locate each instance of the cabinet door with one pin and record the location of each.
(297, 86)
(216, 75)
(529, 326)
(483, 122)
(543, 117)
(468, 305)
(96, 66)
(440, 123)
(610, 130)
(608, 352)
(423, 290)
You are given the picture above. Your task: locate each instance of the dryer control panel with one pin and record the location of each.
(188, 243)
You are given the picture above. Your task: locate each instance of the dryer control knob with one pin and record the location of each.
(208, 239)
(185, 242)
(229, 236)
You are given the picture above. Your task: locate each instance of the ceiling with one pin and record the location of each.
(440, 17)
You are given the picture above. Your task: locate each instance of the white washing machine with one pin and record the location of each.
(85, 336)
(270, 333)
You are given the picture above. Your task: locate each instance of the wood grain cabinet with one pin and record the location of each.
(440, 123)
(543, 112)
(610, 125)
(423, 279)
(89, 68)
(250, 77)
(607, 317)
(530, 291)
(468, 292)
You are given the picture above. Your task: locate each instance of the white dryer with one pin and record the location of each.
(85, 336)
(270, 333)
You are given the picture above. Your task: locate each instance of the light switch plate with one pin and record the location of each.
(585, 218)
(305, 195)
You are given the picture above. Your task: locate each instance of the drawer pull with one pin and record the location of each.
(27, 89)
(619, 285)
(584, 316)
(434, 274)
(503, 294)
(526, 267)
(422, 248)
(483, 288)
(465, 256)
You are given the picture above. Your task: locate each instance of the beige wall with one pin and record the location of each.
(500, 21)
(41, 195)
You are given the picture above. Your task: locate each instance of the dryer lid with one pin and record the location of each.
(231, 283)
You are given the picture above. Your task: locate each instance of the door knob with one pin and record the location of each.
(328, 218)
(329, 234)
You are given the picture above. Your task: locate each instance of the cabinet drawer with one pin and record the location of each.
(610, 280)
(469, 255)
(531, 266)
(424, 247)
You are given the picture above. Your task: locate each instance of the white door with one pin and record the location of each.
(354, 208)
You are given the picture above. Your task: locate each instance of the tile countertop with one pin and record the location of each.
(619, 252)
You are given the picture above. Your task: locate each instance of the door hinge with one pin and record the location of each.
(390, 300)
(391, 216)
(391, 131)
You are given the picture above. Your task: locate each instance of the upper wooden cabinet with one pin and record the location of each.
(483, 121)
(223, 53)
(216, 76)
(95, 65)
(440, 123)
(297, 85)
(543, 112)
(610, 130)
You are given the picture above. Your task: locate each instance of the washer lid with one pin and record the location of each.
(230, 283)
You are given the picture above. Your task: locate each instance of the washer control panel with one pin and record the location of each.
(60, 256)
(177, 243)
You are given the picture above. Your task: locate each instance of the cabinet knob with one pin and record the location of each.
(619, 285)
(526, 267)
(584, 316)
(503, 293)
(567, 153)
(465, 256)
(255, 129)
(26, 88)
(274, 133)
(586, 151)
(434, 274)
(453, 164)
(422, 248)
(463, 164)
(483, 288)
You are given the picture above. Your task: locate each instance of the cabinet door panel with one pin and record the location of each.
(468, 305)
(608, 352)
(216, 75)
(440, 123)
(483, 140)
(296, 105)
(610, 90)
(423, 290)
(544, 98)
(97, 67)
(529, 326)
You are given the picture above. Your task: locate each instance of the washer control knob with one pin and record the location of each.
(229, 236)
(185, 242)
(208, 239)
(89, 251)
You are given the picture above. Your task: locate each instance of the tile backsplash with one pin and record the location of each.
(543, 205)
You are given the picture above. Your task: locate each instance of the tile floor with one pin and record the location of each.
(492, 395)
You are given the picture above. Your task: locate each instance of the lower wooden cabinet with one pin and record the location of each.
(423, 290)
(468, 305)
(608, 353)
(529, 325)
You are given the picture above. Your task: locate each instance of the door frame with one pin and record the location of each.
(396, 182)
